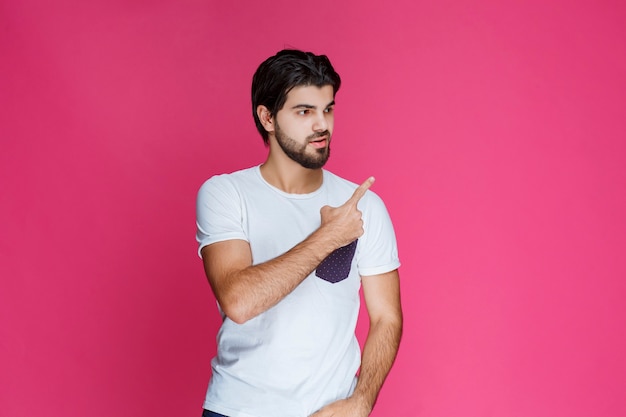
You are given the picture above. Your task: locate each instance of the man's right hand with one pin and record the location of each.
(344, 224)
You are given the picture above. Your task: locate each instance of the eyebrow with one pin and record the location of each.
(309, 106)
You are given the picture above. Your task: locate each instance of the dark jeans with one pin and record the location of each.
(208, 413)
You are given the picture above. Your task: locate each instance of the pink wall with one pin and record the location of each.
(496, 131)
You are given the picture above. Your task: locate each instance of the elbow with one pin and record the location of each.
(232, 303)
(236, 312)
(392, 324)
(237, 318)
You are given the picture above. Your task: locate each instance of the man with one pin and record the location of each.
(286, 246)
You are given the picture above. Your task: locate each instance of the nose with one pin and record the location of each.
(320, 124)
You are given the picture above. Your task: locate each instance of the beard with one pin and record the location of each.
(298, 152)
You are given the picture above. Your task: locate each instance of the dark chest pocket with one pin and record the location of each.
(336, 267)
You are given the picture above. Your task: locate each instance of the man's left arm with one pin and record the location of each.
(382, 298)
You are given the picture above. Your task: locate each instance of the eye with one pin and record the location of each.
(329, 110)
(303, 112)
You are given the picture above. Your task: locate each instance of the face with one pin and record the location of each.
(303, 127)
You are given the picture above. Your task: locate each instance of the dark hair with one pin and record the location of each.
(279, 74)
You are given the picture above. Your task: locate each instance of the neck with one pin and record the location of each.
(289, 176)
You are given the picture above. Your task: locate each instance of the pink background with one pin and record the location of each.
(496, 130)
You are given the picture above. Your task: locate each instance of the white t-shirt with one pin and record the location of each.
(302, 353)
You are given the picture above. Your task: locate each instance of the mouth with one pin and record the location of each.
(319, 143)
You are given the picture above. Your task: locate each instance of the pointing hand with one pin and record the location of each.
(344, 224)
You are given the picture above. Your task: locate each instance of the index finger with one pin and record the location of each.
(360, 190)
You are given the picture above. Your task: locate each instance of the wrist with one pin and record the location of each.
(325, 241)
(362, 402)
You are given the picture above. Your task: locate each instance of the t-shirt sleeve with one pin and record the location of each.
(378, 250)
(218, 213)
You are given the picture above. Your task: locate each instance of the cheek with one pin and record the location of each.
(291, 126)
(330, 121)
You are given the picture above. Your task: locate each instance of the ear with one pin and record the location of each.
(266, 118)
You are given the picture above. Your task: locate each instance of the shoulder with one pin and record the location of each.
(229, 182)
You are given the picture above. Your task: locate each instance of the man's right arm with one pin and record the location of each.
(244, 290)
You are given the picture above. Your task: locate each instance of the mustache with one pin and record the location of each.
(318, 135)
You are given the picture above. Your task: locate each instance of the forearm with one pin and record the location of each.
(379, 353)
(246, 293)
